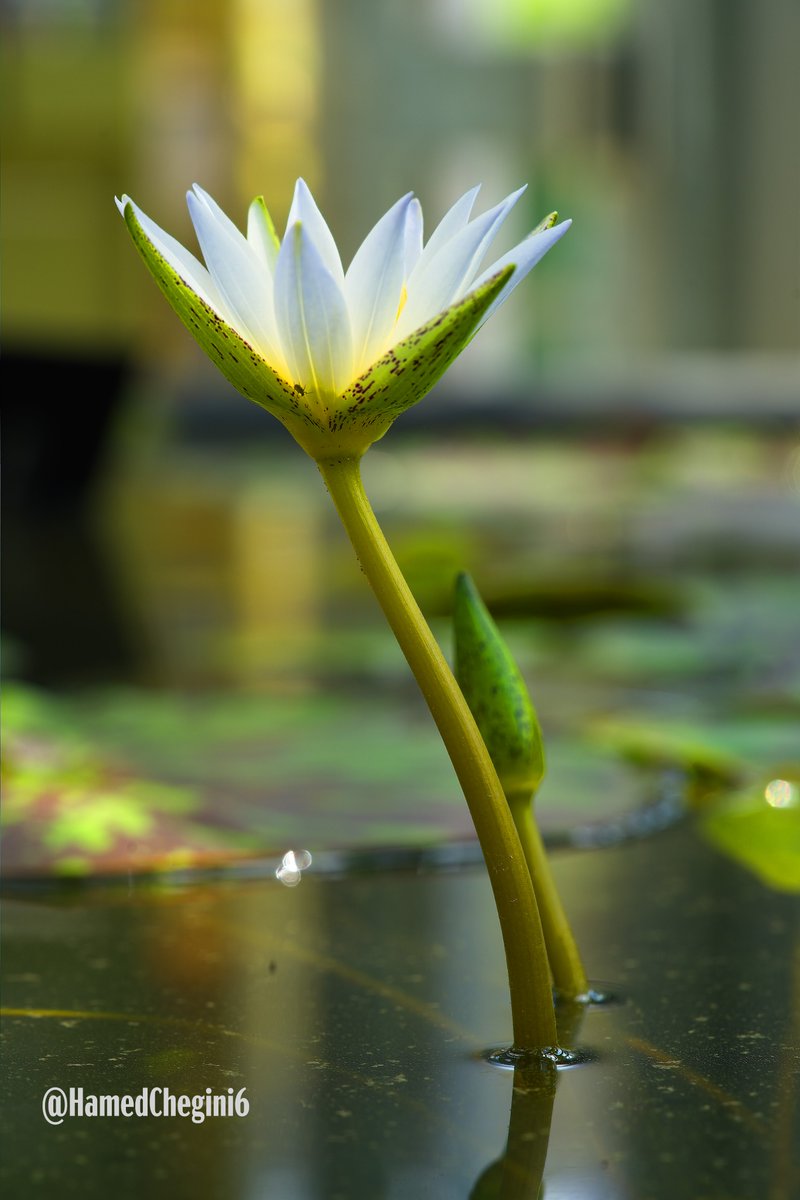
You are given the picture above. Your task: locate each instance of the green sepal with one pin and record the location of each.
(409, 370)
(238, 361)
(496, 693)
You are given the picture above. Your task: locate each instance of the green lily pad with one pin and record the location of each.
(760, 828)
(729, 749)
(120, 780)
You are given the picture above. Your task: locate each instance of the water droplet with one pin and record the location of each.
(595, 997)
(294, 863)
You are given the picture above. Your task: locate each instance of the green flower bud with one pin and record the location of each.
(496, 694)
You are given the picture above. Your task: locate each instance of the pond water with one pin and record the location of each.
(353, 1011)
(259, 706)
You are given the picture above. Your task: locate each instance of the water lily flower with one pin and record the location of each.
(336, 355)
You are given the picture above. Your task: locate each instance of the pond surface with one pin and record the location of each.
(650, 594)
(352, 1011)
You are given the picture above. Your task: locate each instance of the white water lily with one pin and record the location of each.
(336, 355)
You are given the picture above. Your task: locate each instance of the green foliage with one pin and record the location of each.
(726, 750)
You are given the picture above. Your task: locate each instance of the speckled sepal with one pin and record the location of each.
(409, 370)
(238, 361)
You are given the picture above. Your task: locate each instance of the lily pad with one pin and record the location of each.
(760, 828)
(729, 749)
(128, 780)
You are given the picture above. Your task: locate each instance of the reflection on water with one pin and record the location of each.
(234, 566)
(518, 1174)
(353, 1012)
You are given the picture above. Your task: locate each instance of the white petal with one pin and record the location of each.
(413, 235)
(438, 281)
(261, 233)
(312, 316)
(451, 223)
(179, 258)
(374, 283)
(244, 284)
(304, 209)
(525, 256)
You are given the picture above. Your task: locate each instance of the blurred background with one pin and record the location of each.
(187, 639)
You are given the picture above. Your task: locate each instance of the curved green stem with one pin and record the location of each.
(569, 975)
(528, 975)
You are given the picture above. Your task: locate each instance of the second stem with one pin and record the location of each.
(528, 974)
